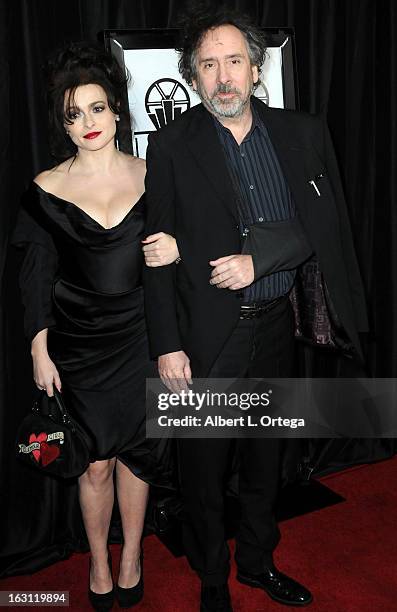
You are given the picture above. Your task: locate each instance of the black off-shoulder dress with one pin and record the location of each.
(83, 282)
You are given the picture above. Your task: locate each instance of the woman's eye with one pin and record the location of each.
(73, 115)
(98, 109)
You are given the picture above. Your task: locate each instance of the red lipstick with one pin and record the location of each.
(92, 135)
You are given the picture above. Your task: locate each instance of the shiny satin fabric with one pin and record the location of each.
(98, 336)
(93, 269)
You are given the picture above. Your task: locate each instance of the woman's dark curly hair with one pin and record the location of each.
(200, 18)
(75, 65)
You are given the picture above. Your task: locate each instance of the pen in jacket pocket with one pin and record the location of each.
(312, 182)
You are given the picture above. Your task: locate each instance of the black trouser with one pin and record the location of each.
(260, 347)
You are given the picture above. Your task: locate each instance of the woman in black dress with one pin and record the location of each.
(82, 226)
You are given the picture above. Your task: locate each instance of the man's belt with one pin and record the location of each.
(257, 309)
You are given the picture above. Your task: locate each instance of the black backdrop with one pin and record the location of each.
(347, 55)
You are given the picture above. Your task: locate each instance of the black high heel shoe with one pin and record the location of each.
(102, 602)
(128, 598)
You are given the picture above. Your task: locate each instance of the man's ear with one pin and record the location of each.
(194, 84)
(255, 74)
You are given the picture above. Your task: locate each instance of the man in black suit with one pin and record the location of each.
(250, 193)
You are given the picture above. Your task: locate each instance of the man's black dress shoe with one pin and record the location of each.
(278, 586)
(215, 599)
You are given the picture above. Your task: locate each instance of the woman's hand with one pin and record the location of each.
(160, 250)
(45, 373)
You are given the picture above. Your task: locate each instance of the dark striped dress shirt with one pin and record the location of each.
(263, 196)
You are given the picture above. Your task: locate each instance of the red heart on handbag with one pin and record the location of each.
(40, 438)
(49, 452)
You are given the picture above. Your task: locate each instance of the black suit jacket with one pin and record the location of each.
(191, 196)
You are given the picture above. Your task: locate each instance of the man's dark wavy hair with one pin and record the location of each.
(72, 66)
(201, 17)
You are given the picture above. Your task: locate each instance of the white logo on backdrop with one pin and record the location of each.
(165, 100)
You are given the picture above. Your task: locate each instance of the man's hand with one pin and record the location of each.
(160, 250)
(232, 272)
(175, 372)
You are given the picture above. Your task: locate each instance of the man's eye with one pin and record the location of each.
(208, 65)
(236, 61)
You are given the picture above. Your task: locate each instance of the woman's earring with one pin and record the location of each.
(116, 140)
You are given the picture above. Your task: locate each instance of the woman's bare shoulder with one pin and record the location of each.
(50, 179)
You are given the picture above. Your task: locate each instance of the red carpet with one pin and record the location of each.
(346, 554)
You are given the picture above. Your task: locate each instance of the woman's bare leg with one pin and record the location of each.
(132, 495)
(96, 493)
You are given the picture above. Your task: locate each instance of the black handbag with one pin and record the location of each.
(51, 440)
